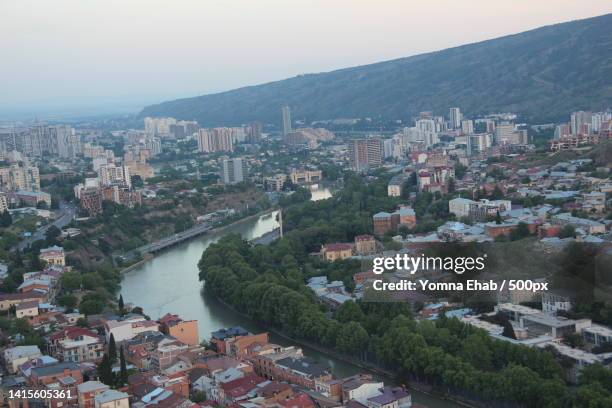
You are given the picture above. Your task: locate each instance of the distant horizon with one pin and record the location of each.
(119, 89)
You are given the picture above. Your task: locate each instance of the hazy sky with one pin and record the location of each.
(111, 54)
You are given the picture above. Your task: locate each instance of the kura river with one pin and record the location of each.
(169, 283)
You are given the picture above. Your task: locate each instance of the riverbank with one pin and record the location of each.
(363, 365)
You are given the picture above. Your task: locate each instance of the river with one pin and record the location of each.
(169, 283)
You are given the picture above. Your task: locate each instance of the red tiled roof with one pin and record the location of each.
(300, 401)
(72, 333)
(241, 386)
(339, 246)
(21, 296)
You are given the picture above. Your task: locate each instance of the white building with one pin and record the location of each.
(110, 175)
(128, 328)
(233, 171)
(467, 126)
(455, 118)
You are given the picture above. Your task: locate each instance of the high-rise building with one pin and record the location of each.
(286, 120)
(253, 132)
(562, 130)
(233, 171)
(503, 133)
(598, 119)
(3, 203)
(578, 122)
(467, 127)
(19, 177)
(216, 140)
(158, 126)
(365, 153)
(110, 175)
(455, 118)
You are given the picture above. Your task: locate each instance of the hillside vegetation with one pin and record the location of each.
(542, 74)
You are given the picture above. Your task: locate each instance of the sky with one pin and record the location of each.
(106, 56)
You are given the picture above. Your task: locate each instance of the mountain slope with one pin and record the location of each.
(542, 74)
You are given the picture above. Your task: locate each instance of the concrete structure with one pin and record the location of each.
(365, 153)
(19, 177)
(127, 329)
(305, 176)
(233, 171)
(454, 115)
(286, 111)
(216, 140)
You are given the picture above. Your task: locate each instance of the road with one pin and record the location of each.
(65, 214)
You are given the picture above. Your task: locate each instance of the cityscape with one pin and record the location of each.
(173, 258)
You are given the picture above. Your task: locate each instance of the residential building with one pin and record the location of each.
(112, 399)
(467, 127)
(67, 373)
(158, 126)
(286, 111)
(216, 140)
(13, 299)
(384, 221)
(26, 310)
(233, 171)
(87, 391)
(129, 328)
(16, 356)
(276, 182)
(365, 244)
(455, 118)
(394, 188)
(30, 198)
(111, 175)
(580, 122)
(359, 388)
(590, 226)
(478, 210)
(331, 252)
(76, 344)
(53, 255)
(301, 371)
(365, 153)
(4, 206)
(19, 177)
(305, 176)
(186, 331)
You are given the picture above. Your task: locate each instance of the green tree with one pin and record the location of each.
(5, 219)
(68, 300)
(123, 373)
(112, 348)
(105, 370)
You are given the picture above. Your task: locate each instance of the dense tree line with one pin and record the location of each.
(268, 284)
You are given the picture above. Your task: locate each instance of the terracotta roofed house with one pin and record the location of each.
(340, 250)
